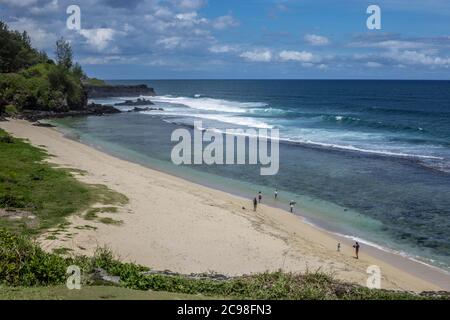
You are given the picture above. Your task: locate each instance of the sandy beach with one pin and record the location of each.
(173, 224)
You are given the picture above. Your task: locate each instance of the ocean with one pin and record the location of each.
(366, 159)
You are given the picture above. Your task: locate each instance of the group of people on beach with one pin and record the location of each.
(258, 200)
(356, 246)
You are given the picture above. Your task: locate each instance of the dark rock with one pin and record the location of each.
(137, 109)
(89, 110)
(102, 276)
(195, 276)
(100, 109)
(138, 102)
(118, 91)
(43, 124)
(436, 294)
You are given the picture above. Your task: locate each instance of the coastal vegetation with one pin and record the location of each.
(24, 264)
(94, 82)
(29, 80)
(35, 195)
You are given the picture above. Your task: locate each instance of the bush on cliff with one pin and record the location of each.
(24, 263)
(43, 87)
(16, 52)
(31, 81)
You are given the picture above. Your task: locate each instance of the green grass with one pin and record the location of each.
(11, 110)
(94, 82)
(29, 184)
(62, 251)
(89, 293)
(107, 220)
(92, 214)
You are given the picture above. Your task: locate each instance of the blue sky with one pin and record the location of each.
(318, 39)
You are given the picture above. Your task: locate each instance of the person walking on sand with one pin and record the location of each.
(255, 204)
(339, 247)
(291, 205)
(276, 194)
(356, 246)
(259, 196)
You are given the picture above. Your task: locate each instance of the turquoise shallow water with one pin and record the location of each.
(370, 159)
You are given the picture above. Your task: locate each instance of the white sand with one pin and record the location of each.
(174, 224)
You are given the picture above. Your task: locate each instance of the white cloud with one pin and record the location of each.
(163, 12)
(188, 4)
(316, 40)
(170, 42)
(18, 3)
(372, 64)
(390, 44)
(223, 48)
(224, 22)
(191, 17)
(51, 6)
(98, 38)
(257, 55)
(40, 38)
(415, 57)
(105, 59)
(299, 56)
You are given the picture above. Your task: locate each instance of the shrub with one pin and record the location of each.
(23, 263)
(10, 109)
(30, 81)
(6, 139)
(16, 52)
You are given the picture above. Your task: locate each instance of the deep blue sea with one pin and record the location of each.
(368, 159)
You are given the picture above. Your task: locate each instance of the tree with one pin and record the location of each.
(78, 71)
(26, 40)
(16, 52)
(64, 54)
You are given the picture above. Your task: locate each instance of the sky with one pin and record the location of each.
(244, 39)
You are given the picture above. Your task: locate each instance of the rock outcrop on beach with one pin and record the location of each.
(107, 91)
(137, 109)
(91, 109)
(137, 103)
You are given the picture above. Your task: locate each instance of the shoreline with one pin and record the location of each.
(396, 257)
(298, 244)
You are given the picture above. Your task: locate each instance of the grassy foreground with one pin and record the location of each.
(88, 293)
(24, 264)
(35, 196)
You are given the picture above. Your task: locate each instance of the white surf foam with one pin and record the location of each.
(210, 104)
(236, 120)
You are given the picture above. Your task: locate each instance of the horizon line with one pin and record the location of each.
(266, 79)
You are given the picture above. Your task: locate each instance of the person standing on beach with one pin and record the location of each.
(339, 247)
(291, 204)
(255, 204)
(259, 196)
(276, 194)
(356, 246)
